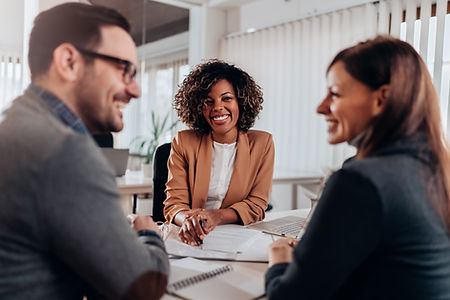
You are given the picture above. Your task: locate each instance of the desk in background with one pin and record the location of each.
(132, 184)
(309, 181)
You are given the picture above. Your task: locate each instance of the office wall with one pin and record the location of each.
(264, 13)
(46, 4)
(12, 22)
(289, 61)
(11, 26)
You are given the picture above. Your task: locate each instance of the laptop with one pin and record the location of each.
(288, 226)
(117, 158)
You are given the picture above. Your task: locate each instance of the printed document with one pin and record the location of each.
(226, 242)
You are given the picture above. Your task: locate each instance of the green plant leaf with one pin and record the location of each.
(146, 145)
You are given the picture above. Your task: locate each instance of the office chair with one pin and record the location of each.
(160, 173)
(104, 140)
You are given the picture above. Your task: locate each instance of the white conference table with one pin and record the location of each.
(309, 181)
(252, 267)
(132, 184)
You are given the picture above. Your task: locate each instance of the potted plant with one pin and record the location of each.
(145, 146)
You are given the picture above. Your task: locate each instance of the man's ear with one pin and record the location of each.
(67, 62)
(381, 97)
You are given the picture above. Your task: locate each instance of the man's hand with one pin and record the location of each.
(143, 223)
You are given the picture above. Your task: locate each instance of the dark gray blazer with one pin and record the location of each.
(375, 234)
(62, 228)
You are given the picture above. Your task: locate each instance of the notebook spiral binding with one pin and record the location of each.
(198, 278)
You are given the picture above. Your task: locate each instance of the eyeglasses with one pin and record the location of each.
(129, 69)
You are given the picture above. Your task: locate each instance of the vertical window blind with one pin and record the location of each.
(426, 26)
(158, 83)
(289, 62)
(10, 78)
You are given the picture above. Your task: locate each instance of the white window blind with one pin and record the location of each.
(10, 78)
(158, 84)
(289, 62)
(426, 26)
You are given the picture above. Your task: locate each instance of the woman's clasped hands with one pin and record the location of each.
(197, 224)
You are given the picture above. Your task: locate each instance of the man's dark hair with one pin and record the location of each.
(75, 23)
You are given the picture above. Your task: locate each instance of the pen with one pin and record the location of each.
(201, 225)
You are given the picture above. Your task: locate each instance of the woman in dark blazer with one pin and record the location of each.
(220, 171)
(381, 227)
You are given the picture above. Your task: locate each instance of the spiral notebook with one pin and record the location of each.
(191, 278)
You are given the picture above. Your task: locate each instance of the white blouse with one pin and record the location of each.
(223, 157)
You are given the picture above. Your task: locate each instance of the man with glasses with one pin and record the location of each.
(63, 234)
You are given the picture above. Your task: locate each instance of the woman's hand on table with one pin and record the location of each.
(280, 251)
(197, 224)
(210, 219)
(191, 231)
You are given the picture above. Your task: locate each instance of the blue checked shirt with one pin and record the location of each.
(66, 115)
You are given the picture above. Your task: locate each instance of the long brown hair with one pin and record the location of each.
(412, 105)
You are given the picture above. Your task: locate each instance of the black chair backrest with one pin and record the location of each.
(160, 173)
(104, 140)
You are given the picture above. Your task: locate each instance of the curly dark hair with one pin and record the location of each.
(196, 86)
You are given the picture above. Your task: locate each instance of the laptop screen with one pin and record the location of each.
(117, 158)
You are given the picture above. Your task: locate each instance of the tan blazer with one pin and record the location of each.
(190, 169)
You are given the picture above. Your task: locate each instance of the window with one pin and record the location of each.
(158, 85)
(10, 79)
(444, 92)
(296, 55)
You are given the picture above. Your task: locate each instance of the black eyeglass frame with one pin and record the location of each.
(130, 70)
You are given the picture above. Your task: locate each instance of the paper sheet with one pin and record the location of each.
(229, 238)
(178, 248)
(224, 242)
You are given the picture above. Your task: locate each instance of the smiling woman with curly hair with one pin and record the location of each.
(189, 101)
(220, 171)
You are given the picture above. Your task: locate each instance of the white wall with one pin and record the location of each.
(209, 22)
(207, 26)
(162, 49)
(264, 13)
(11, 26)
(46, 4)
(12, 22)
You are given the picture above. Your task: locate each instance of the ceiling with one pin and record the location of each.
(160, 20)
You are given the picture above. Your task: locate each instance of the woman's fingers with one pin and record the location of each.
(193, 212)
(280, 251)
(190, 227)
(292, 242)
(188, 232)
(209, 220)
(185, 236)
(197, 224)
